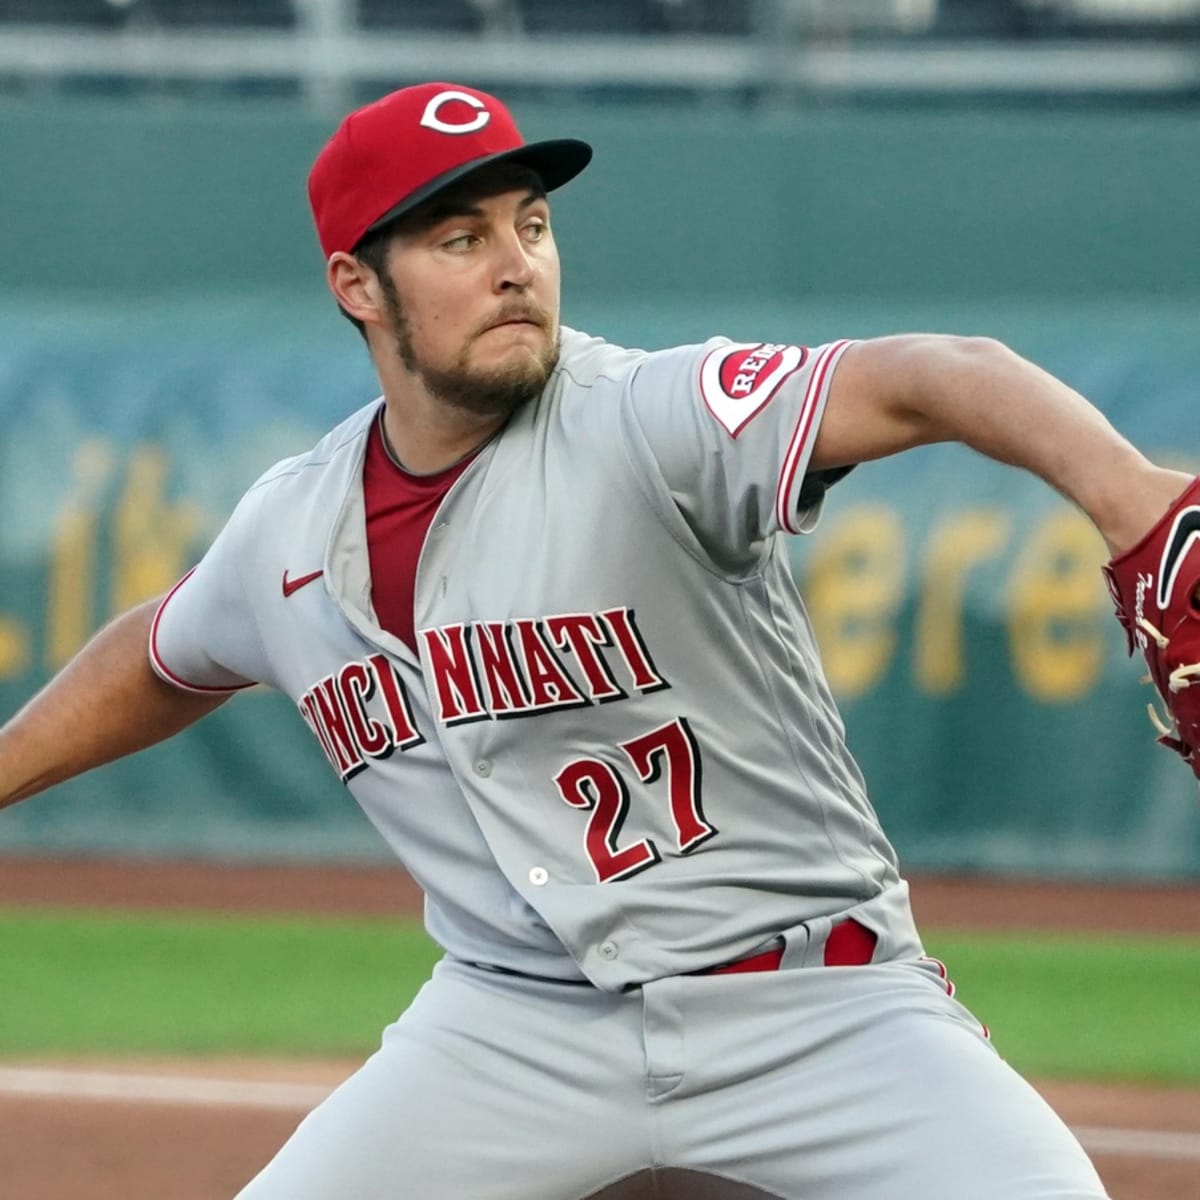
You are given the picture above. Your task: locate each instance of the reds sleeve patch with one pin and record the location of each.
(737, 382)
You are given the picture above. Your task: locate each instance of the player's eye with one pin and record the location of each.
(460, 241)
(536, 230)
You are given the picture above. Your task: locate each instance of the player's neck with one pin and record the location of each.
(428, 437)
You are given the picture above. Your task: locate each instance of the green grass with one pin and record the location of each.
(194, 984)
(1083, 1007)
(112, 983)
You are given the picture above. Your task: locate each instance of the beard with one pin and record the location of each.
(484, 393)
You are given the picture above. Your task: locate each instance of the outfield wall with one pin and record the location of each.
(164, 339)
(113, 198)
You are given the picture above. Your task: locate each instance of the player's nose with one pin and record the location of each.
(515, 267)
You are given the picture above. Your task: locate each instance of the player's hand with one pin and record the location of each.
(1156, 586)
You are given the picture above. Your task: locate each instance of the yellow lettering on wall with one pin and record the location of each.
(14, 647)
(854, 586)
(151, 536)
(957, 544)
(69, 615)
(1057, 609)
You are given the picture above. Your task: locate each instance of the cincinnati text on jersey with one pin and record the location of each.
(485, 670)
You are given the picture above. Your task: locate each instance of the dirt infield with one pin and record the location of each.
(198, 1131)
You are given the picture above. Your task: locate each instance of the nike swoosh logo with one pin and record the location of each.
(294, 585)
(1183, 535)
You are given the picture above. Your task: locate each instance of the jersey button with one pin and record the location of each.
(538, 876)
(608, 950)
(483, 768)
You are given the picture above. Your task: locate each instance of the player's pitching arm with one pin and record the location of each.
(893, 393)
(105, 703)
(890, 394)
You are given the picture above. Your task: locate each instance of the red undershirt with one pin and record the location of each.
(400, 509)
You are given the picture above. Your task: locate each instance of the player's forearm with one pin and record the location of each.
(106, 703)
(916, 390)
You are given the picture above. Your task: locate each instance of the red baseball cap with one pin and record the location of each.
(387, 157)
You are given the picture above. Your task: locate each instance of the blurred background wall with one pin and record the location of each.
(767, 169)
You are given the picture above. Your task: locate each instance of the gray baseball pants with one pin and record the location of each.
(844, 1083)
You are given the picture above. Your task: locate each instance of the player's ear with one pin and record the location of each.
(356, 288)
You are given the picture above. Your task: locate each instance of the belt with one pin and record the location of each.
(849, 945)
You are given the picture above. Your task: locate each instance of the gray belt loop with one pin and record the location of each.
(804, 944)
(886, 915)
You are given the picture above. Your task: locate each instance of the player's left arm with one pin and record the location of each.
(891, 394)
(107, 702)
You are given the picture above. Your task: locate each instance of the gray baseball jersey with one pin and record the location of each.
(614, 761)
(617, 682)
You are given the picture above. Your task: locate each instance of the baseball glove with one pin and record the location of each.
(1156, 586)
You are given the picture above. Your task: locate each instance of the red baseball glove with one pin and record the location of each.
(1156, 586)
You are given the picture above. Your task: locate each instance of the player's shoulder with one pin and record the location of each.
(336, 453)
(314, 482)
(588, 363)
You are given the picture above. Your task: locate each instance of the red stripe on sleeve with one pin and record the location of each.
(165, 671)
(817, 383)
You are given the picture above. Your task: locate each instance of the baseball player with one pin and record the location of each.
(534, 604)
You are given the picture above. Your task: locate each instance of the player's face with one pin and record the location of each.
(473, 293)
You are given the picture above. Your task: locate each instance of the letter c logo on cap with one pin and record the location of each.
(431, 120)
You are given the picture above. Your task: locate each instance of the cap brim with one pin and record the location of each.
(556, 162)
